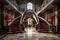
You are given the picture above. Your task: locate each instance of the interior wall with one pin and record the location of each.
(58, 19)
(1, 18)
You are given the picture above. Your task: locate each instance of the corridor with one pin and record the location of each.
(30, 20)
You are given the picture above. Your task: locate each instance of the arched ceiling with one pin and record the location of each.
(23, 3)
(20, 5)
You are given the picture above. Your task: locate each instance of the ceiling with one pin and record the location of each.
(22, 3)
(35, 1)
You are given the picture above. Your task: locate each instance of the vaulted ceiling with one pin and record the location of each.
(35, 1)
(19, 2)
(22, 3)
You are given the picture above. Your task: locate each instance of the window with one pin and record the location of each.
(29, 6)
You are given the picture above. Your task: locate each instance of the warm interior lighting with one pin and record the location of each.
(30, 31)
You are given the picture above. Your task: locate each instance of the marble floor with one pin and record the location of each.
(35, 36)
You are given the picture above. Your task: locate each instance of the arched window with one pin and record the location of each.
(29, 6)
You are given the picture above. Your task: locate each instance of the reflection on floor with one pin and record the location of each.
(35, 36)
